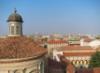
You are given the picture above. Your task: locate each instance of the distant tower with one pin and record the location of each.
(15, 24)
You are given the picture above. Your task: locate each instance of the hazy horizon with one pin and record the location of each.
(53, 16)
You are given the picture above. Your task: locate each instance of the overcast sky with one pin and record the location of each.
(53, 16)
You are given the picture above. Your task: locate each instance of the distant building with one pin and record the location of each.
(53, 44)
(85, 40)
(79, 56)
(74, 41)
(92, 43)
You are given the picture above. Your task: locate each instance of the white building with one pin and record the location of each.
(53, 44)
(79, 56)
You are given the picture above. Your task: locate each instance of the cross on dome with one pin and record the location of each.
(15, 10)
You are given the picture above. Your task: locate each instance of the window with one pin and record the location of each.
(19, 71)
(35, 68)
(17, 30)
(12, 29)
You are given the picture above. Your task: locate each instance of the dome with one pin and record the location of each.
(19, 47)
(15, 17)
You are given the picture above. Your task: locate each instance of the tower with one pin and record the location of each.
(15, 24)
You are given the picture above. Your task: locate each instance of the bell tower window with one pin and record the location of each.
(12, 29)
(17, 30)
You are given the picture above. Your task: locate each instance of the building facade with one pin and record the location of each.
(79, 56)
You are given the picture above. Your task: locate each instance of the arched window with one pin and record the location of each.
(85, 62)
(17, 30)
(74, 62)
(42, 67)
(33, 71)
(81, 62)
(12, 29)
(18, 71)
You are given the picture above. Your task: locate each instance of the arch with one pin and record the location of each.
(77, 62)
(18, 71)
(81, 62)
(12, 30)
(86, 62)
(17, 30)
(73, 62)
(32, 71)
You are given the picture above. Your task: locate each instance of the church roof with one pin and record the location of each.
(15, 17)
(19, 47)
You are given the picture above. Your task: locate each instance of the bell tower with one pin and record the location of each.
(15, 24)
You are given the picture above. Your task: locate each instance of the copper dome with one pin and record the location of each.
(15, 17)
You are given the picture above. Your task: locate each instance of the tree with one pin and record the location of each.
(97, 37)
(95, 60)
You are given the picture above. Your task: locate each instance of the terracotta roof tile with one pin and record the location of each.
(78, 47)
(86, 38)
(19, 47)
(56, 41)
(78, 53)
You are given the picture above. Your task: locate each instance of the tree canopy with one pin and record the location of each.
(95, 60)
(97, 37)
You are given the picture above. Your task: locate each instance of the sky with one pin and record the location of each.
(53, 16)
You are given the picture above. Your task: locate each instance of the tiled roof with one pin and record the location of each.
(94, 70)
(67, 48)
(78, 53)
(77, 50)
(19, 47)
(56, 41)
(84, 71)
(86, 38)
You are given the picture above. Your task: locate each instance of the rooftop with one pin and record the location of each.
(19, 47)
(58, 41)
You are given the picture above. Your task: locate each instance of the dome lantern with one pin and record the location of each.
(15, 17)
(15, 24)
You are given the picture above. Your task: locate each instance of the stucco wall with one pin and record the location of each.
(31, 66)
